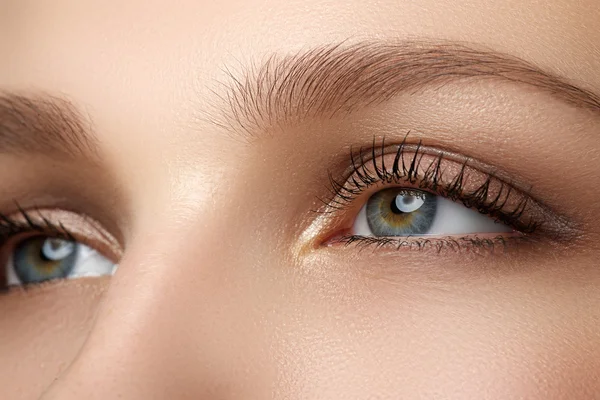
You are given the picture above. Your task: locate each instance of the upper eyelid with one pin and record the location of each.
(451, 155)
(558, 226)
(64, 224)
(368, 154)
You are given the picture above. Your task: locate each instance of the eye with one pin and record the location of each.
(409, 212)
(412, 196)
(36, 259)
(41, 245)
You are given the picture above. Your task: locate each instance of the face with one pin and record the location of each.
(300, 199)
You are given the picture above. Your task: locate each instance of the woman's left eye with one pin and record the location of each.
(37, 259)
(409, 212)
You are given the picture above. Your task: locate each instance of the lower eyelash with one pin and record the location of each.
(485, 245)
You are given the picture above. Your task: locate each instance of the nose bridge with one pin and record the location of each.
(170, 326)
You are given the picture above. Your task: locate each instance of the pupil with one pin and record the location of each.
(395, 208)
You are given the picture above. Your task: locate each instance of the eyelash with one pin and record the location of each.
(410, 169)
(11, 227)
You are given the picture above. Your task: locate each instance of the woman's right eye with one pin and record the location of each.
(38, 259)
(34, 250)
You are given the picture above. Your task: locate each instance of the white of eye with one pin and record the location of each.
(454, 218)
(90, 263)
(451, 218)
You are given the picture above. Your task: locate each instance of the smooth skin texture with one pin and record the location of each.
(224, 289)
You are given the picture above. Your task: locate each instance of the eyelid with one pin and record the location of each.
(74, 226)
(367, 154)
(459, 178)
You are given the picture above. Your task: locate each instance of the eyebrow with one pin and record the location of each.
(44, 124)
(336, 79)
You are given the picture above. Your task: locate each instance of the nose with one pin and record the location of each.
(178, 322)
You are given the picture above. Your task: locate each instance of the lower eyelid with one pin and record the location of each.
(482, 244)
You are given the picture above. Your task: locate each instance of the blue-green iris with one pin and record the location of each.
(41, 258)
(401, 212)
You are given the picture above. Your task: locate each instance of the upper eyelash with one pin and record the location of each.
(37, 221)
(429, 177)
(10, 227)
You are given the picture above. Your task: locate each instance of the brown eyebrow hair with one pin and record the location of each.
(334, 79)
(44, 124)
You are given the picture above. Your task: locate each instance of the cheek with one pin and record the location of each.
(525, 335)
(327, 331)
(41, 331)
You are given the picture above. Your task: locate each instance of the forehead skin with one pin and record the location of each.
(144, 72)
(149, 70)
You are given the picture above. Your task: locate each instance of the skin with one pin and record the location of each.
(225, 289)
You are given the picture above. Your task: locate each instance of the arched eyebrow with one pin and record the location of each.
(44, 124)
(334, 79)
